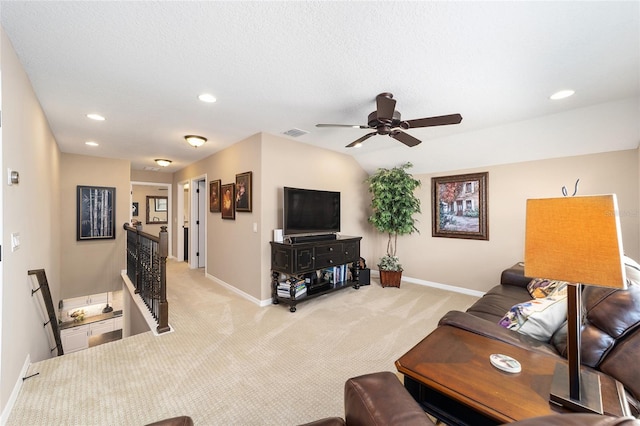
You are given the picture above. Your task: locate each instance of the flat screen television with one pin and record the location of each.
(311, 212)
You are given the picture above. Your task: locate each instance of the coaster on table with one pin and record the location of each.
(505, 363)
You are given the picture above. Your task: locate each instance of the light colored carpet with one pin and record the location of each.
(230, 362)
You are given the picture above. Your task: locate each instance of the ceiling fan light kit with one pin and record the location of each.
(195, 141)
(386, 120)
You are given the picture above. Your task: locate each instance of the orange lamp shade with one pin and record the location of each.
(575, 239)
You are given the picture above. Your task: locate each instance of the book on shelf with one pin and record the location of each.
(284, 287)
(335, 274)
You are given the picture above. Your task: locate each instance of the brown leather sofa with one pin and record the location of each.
(379, 399)
(610, 333)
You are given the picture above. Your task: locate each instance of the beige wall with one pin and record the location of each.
(476, 265)
(289, 163)
(237, 255)
(139, 195)
(150, 176)
(32, 209)
(92, 266)
(232, 247)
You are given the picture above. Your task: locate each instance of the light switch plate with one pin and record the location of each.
(15, 241)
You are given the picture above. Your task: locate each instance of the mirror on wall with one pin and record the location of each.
(157, 210)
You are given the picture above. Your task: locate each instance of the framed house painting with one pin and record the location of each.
(243, 192)
(459, 206)
(228, 206)
(95, 213)
(214, 196)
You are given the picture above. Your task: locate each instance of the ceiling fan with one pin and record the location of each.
(386, 120)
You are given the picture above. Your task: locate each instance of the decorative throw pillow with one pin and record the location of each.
(542, 287)
(632, 270)
(538, 318)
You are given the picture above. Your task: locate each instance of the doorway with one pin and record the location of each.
(183, 216)
(198, 225)
(139, 195)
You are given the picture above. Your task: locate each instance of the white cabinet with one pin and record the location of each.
(82, 301)
(75, 339)
(117, 323)
(101, 327)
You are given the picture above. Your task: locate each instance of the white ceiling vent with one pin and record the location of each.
(151, 169)
(295, 132)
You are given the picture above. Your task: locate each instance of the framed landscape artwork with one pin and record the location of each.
(459, 206)
(243, 192)
(95, 213)
(228, 201)
(214, 196)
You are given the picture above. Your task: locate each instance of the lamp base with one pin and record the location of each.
(590, 396)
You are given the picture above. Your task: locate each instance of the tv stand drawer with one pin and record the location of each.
(328, 249)
(328, 260)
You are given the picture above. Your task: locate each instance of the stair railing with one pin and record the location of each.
(147, 270)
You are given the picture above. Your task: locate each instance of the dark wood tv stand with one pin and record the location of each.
(306, 258)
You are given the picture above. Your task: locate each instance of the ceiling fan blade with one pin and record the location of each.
(405, 138)
(360, 140)
(354, 126)
(440, 120)
(386, 106)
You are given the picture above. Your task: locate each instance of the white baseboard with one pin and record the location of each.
(447, 287)
(14, 393)
(374, 272)
(240, 293)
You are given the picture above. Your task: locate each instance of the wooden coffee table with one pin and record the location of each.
(450, 375)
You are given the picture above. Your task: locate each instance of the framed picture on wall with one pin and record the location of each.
(134, 209)
(228, 207)
(214, 196)
(95, 213)
(243, 192)
(459, 206)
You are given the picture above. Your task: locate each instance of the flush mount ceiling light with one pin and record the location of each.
(91, 143)
(195, 141)
(162, 162)
(96, 117)
(207, 97)
(562, 94)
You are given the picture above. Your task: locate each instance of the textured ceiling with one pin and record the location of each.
(274, 66)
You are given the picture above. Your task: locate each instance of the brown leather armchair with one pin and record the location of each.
(381, 399)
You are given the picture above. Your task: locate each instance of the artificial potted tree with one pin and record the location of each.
(393, 203)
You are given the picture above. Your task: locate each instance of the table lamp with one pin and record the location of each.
(578, 240)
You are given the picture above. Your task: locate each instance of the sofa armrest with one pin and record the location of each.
(495, 331)
(515, 276)
(381, 399)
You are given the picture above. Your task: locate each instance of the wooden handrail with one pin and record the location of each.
(147, 270)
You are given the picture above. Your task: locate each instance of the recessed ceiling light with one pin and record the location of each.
(207, 97)
(562, 94)
(91, 143)
(96, 117)
(162, 162)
